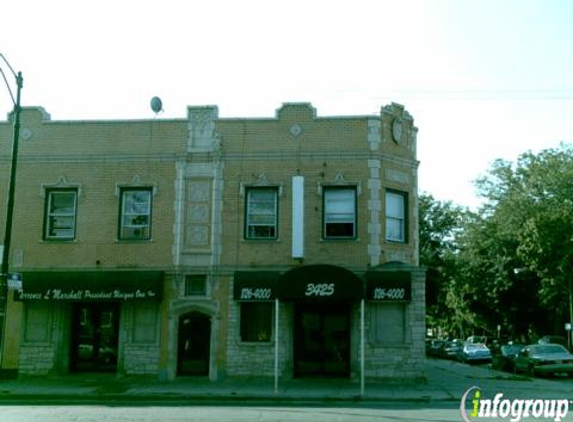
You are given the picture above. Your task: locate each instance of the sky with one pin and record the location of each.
(483, 79)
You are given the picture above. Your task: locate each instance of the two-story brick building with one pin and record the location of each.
(218, 247)
(319, 214)
(92, 236)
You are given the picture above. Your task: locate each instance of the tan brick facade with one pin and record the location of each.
(97, 159)
(339, 151)
(200, 171)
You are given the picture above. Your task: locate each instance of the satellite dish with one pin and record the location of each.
(156, 105)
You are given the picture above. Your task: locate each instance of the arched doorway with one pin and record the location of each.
(193, 349)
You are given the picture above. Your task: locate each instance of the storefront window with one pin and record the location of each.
(256, 321)
(37, 326)
(388, 323)
(145, 322)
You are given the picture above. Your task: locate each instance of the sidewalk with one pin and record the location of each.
(445, 381)
(90, 388)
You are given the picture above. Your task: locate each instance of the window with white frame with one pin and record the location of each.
(60, 219)
(135, 214)
(261, 213)
(396, 207)
(339, 212)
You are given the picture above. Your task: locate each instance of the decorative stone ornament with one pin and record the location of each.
(397, 130)
(26, 134)
(295, 130)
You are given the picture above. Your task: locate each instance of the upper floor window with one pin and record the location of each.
(135, 214)
(396, 206)
(339, 213)
(261, 213)
(60, 216)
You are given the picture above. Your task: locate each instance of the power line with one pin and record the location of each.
(479, 94)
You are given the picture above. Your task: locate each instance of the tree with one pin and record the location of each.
(510, 264)
(440, 222)
(488, 280)
(531, 207)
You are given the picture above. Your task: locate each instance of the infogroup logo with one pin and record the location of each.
(474, 407)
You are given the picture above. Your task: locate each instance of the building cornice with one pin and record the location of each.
(100, 158)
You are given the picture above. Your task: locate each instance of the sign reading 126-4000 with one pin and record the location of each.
(397, 293)
(389, 291)
(261, 293)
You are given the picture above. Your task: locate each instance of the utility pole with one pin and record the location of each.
(10, 205)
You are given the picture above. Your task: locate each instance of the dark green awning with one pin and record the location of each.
(255, 286)
(388, 286)
(320, 283)
(91, 286)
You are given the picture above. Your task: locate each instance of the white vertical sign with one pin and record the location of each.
(298, 217)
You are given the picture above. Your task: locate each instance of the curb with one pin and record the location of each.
(207, 399)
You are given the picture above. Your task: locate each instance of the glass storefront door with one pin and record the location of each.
(95, 329)
(322, 340)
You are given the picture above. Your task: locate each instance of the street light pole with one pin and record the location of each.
(10, 204)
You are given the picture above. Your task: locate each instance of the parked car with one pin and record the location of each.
(548, 359)
(433, 347)
(477, 339)
(553, 339)
(474, 353)
(503, 358)
(450, 349)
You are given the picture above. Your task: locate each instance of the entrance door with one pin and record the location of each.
(194, 344)
(95, 337)
(322, 340)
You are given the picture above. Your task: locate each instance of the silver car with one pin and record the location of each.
(474, 352)
(547, 359)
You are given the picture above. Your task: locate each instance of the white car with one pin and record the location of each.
(474, 352)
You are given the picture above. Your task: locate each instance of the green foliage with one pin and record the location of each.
(534, 203)
(508, 264)
(440, 223)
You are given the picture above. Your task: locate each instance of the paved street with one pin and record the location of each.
(438, 399)
(455, 378)
(384, 413)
